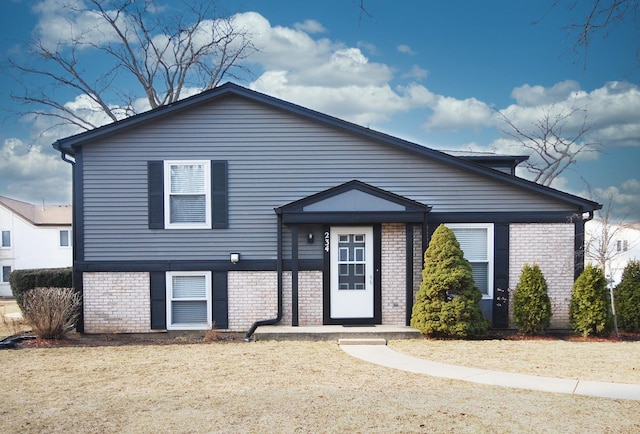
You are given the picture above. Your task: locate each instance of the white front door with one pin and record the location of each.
(351, 272)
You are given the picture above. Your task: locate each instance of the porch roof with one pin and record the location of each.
(353, 202)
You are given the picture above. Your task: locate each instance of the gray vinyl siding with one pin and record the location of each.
(273, 158)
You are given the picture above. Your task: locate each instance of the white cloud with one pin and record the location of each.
(416, 73)
(63, 22)
(454, 114)
(527, 95)
(623, 199)
(310, 26)
(33, 173)
(405, 49)
(611, 111)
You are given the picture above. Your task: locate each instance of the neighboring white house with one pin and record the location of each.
(32, 236)
(620, 241)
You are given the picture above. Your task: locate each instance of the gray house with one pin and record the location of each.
(231, 207)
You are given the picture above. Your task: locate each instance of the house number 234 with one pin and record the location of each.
(326, 241)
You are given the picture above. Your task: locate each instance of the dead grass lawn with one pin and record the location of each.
(610, 361)
(278, 387)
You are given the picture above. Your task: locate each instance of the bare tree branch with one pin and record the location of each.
(602, 17)
(155, 52)
(553, 151)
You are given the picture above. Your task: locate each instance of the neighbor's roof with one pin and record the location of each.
(39, 215)
(68, 145)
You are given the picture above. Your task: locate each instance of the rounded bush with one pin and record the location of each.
(627, 298)
(531, 304)
(589, 310)
(447, 304)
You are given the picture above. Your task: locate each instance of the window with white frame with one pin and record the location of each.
(476, 241)
(4, 276)
(6, 239)
(65, 238)
(187, 192)
(188, 300)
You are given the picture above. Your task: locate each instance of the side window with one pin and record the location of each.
(6, 239)
(476, 241)
(188, 300)
(65, 238)
(4, 276)
(187, 194)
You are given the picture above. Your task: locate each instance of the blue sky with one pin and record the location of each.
(432, 72)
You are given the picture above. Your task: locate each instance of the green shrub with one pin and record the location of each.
(531, 304)
(447, 304)
(589, 310)
(22, 281)
(51, 312)
(627, 298)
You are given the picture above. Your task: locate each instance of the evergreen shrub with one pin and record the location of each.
(531, 304)
(589, 309)
(627, 298)
(447, 304)
(22, 281)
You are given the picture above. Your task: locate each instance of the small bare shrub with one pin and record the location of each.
(212, 335)
(52, 312)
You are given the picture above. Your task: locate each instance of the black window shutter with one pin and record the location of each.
(220, 300)
(219, 195)
(158, 283)
(155, 186)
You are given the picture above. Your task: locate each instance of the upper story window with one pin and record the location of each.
(65, 238)
(476, 241)
(187, 194)
(6, 239)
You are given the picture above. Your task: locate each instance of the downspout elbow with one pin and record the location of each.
(589, 217)
(279, 266)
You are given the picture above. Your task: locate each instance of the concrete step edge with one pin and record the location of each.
(362, 341)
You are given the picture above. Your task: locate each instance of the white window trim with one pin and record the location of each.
(167, 194)
(69, 243)
(2, 246)
(490, 250)
(169, 284)
(2, 273)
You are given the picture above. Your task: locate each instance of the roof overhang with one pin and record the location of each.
(354, 202)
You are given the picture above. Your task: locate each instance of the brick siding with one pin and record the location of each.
(551, 246)
(116, 303)
(394, 275)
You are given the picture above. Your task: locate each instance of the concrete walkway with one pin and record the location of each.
(376, 351)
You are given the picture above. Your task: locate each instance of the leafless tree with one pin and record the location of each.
(600, 19)
(158, 52)
(553, 151)
(601, 244)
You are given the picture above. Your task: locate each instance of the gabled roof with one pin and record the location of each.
(39, 215)
(68, 145)
(353, 202)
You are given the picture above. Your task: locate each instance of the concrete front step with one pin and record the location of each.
(334, 333)
(363, 341)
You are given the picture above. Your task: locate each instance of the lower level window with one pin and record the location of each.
(476, 241)
(4, 276)
(188, 300)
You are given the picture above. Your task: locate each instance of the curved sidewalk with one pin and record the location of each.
(385, 356)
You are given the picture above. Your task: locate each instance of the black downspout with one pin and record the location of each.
(74, 249)
(272, 321)
(579, 244)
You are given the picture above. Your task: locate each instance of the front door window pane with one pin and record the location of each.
(351, 262)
